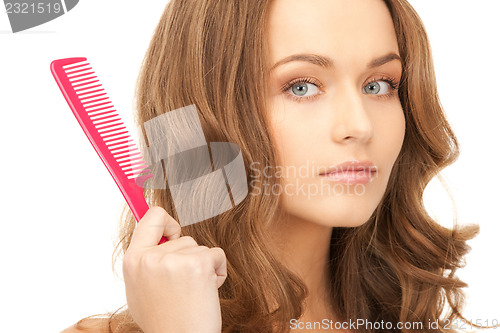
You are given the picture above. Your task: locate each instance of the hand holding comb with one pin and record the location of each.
(105, 130)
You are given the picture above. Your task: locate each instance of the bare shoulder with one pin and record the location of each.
(90, 325)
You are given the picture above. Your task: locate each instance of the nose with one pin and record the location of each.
(351, 121)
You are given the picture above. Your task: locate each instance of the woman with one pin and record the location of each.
(299, 84)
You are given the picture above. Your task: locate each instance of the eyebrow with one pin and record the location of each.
(327, 62)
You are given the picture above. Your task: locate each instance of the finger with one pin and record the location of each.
(219, 263)
(152, 226)
(182, 243)
(189, 249)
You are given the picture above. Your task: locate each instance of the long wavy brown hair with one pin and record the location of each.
(399, 266)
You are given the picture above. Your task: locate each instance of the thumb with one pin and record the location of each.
(155, 224)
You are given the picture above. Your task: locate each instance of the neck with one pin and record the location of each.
(304, 247)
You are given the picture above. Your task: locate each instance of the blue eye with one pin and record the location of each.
(302, 89)
(376, 87)
(387, 88)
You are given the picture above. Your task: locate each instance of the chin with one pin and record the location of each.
(334, 212)
(342, 218)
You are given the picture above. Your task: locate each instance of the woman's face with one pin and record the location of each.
(333, 98)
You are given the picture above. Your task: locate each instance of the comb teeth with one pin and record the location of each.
(106, 120)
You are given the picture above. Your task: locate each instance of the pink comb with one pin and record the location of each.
(105, 130)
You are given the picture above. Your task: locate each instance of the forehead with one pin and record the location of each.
(346, 30)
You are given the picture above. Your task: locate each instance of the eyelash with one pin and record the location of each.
(393, 83)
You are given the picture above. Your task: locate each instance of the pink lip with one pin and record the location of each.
(351, 172)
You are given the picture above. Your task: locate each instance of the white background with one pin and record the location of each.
(60, 206)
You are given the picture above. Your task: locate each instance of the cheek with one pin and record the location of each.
(291, 137)
(396, 131)
(390, 132)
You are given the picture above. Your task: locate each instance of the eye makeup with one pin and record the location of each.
(393, 86)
